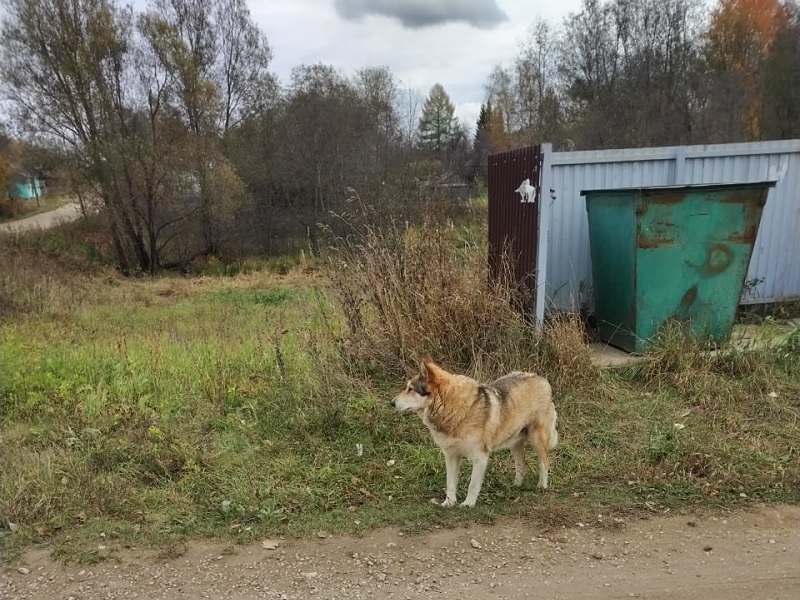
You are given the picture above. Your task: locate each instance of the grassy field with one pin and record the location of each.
(141, 412)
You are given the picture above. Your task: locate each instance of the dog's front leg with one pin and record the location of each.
(479, 463)
(452, 462)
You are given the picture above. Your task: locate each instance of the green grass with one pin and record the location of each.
(155, 411)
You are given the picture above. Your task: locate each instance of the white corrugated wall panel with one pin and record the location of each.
(776, 254)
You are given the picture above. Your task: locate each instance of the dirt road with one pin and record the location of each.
(68, 212)
(745, 555)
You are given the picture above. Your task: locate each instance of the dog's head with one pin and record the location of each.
(420, 388)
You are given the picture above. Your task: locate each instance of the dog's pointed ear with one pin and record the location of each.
(423, 365)
(428, 369)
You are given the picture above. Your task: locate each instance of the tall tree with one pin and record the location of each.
(781, 78)
(438, 126)
(590, 65)
(408, 106)
(321, 136)
(500, 91)
(628, 70)
(241, 69)
(739, 38)
(378, 94)
(499, 137)
(482, 143)
(482, 122)
(217, 59)
(525, 94)
(64, 69)
(534, 78)
(131, 102)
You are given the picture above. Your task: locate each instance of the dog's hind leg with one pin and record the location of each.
(540, 440)
(520, 466)
(479, 462)
(452, 463)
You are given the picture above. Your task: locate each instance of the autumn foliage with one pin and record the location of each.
(741, 33)
(740, 39)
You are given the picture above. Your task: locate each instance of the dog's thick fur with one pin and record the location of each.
(469, 419)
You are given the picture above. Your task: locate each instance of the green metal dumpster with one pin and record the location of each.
(671, 253)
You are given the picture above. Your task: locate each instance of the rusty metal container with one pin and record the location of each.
(671, 253)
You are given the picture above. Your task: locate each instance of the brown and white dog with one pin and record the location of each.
(470, 419)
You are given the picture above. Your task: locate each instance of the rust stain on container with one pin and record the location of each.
(688, 298)
(718, 259)
(743, 198)
(748, 237)
(657, 235)
(666, 198)
(646, 242)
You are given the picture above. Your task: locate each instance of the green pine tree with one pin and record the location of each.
(438, 126)
(483, 121)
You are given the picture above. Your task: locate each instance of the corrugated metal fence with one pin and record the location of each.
(774, 272)
(514, 219)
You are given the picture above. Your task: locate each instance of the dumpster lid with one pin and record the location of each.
(673, 188)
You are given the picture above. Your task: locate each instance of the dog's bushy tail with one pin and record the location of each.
(553, 432)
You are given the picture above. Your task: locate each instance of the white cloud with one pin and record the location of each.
(455, 54)
(467, 113)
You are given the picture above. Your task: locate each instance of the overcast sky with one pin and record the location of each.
(453, 42)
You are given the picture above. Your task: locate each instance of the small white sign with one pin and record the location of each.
(526, 191)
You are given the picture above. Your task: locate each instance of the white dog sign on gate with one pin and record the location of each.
(526, 191)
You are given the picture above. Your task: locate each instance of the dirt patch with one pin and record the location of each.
(744, 555)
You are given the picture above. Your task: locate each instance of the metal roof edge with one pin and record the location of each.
(667, 188)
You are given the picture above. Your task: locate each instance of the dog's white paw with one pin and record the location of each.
(448, 502)
(468, 504)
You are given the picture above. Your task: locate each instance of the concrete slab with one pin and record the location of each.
(603, 355)
(754, 337)
(744, 337)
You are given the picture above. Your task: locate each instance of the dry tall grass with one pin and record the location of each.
(406, 290)
(49, 270)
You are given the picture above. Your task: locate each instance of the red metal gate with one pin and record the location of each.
(514, 215)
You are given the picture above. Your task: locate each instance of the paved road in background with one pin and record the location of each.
(63, 214)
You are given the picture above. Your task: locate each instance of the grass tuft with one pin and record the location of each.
(403, 291)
